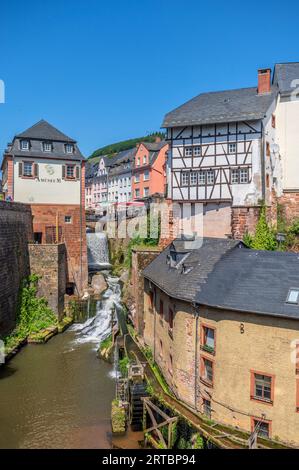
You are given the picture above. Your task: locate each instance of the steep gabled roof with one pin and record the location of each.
(243, 104)
(44, 131)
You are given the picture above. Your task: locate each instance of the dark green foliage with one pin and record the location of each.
(123, 366)
(264, 237)
(33, 312)
(125, 145)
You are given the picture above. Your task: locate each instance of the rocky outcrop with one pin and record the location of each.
(99, 284)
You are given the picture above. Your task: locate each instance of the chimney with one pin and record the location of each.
(157, 139)
(264, 81)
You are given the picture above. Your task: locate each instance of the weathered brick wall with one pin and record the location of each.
(72, 234)
(49, 262)
(290, 204)
(244, 219)
(15, 231)
(140, 259)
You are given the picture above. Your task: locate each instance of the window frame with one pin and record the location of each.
(183, 175)
(203, 379)
(193, 173)
(44, 146)
(201, 173)
(253, 397)
(23, 169)
(211, 171)
(71, 146)
(73, 166)
(203, 345)
(187, 149)
(234, 144)
(146, 172)
(266, 421)
(21, 145)
(296, 289)
(70, 219)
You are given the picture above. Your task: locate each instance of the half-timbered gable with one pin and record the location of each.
(221, 152)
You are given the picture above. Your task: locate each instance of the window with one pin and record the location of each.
(69, 148)
(161, 308)
(68, 219)
(151, 299)
(197, 151)
(262, 428)
(235, 176)
(47, 147)
(244, 175)
(144, 160)
(261, 387)
(193, 178)
(146, 191)
(206, 405)
(208, 338)
(201, 177)
(188, 152)
(207, 370)
(70, 171)
(232, 148)
(25, 145)
(137, 193)
(170, 318)
(210, 177)
(273, 121)
(28, 169)
(138, 161)
(185, 178)
(293, 296)
(146, 176)
(137, 178)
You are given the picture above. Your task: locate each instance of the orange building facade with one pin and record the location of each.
(149, 170)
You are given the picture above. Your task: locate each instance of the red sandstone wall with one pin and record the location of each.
(73, 234)
(290, 203)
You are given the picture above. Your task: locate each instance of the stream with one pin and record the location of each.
(58, 395)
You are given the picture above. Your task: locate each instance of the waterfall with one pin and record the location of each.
(97, 251)
(95, 329)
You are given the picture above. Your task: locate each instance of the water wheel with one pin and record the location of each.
(137, 391)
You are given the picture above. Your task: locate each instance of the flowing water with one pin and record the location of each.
(58, 395)
(97, 251)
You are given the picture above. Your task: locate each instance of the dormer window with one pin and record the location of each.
(293, 296)
(25, 145)
(47, 146)
(69, 148)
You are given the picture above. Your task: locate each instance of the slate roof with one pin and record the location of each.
(154, 146)
(42, 130)
(203, 260)
(243, 104)
(228, 275)
(284, 74)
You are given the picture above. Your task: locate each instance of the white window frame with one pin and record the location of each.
(185, 178)
(67, 219)
(22, 147)
(235, 175)
(244, 173)
(197, 151)
(137, 179)
(292, 300)
(201, 178)
(25, 173)
(188, 151)
(146, 191)
(45, 148)
(69, 148)
(193, 178)
(146, 175)
(209, 174)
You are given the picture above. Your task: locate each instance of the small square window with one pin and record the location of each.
(232, 148)
(185, 178)
(68, 219)
(197, 151)
(69, 148)
(188, 152)
(193, 178)
(293, 296)
(24, 144)
(47, 147)
(244, 175)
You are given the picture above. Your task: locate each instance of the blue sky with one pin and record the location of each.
(105, 71)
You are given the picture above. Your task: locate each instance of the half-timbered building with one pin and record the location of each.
(221, 154)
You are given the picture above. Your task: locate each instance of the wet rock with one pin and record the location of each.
(99, 284)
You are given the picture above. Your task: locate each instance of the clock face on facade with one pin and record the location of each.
(50, 170)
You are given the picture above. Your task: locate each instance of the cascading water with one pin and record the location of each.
(95, 329)
(97, 251)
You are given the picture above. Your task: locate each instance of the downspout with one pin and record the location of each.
(196, 356)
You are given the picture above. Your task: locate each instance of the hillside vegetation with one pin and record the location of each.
(125, 145)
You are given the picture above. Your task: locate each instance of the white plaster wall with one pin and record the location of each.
(287, 118)
(49, 187)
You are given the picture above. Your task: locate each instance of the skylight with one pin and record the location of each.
(293, 296)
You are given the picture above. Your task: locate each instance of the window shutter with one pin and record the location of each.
(63, 171)
(77, 172)
(36, 170)
(20, 169)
